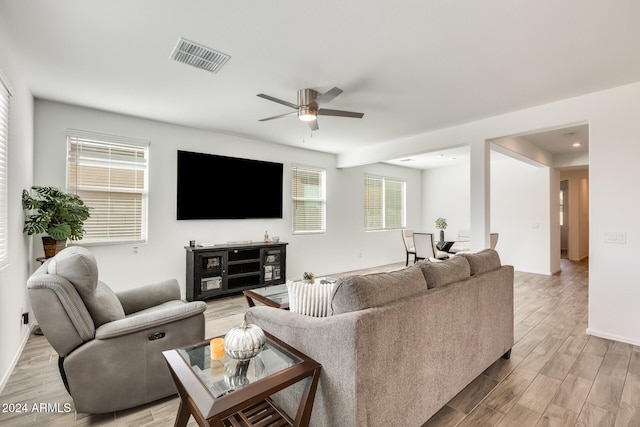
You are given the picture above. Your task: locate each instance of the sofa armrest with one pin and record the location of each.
(144, 297)
(150, 319)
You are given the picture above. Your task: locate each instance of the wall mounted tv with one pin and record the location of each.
(219, 187)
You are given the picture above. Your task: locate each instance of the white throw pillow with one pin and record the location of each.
(310, 299)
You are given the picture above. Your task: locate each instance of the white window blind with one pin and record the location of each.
(384, 203)
(4, 162)
(308, 199)
(109, 173)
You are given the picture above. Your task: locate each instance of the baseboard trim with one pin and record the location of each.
(14, 362)
(612, 337)
(542, 273)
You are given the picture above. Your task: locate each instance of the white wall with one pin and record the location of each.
(13, 293)
(614, 149)
(520, 214)
(517, 219)
(446, 194)
(345, 246)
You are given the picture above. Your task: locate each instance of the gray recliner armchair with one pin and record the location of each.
(110, 344)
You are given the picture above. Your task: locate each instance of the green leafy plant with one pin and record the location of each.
(441, 223)
(307, 275)
(61, 215)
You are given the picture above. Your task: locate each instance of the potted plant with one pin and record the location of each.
(308, 276)
(61, 215)
(441, 224)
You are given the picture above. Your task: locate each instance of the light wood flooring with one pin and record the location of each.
(557, 375)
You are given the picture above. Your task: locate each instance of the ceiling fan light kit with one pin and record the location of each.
(308, 109)
(307, 114)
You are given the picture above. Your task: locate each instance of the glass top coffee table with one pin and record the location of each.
(276, 295)
(229, 392)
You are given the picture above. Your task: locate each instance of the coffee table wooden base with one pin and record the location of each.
(249, 406)
(262, 413)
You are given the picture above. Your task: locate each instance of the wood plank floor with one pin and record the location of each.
(557, 375)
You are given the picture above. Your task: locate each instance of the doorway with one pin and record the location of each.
(564, 152)
(564, 219)
(574, 225)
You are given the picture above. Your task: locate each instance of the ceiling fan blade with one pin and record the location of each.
(313, 125)
(278, 116)
(329, 95)
(339, 113)
(279, 101)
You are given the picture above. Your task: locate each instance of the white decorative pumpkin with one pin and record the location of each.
(245, 341)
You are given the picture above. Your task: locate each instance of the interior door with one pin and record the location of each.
(564, 217)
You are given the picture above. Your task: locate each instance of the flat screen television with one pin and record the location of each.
(220, 187)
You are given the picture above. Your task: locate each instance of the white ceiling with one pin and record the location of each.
(554, 142)
(560, 141)
(410, 67)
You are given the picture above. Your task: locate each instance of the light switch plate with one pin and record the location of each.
(615, 237)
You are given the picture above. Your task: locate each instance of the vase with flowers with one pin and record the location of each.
(441, 224)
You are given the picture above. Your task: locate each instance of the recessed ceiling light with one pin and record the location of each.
(452, 158)
(407, 160)
(577, 144)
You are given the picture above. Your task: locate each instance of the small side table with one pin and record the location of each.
(230, 393)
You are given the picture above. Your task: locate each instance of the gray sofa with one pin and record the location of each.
(398, 346)
(110, 344)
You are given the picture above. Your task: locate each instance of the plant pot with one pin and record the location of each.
(52, 247)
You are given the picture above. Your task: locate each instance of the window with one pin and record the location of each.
(4, 146)
(308, 196)
(109, 173)
(384, 200)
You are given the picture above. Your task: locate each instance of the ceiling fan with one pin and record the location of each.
(308, 106)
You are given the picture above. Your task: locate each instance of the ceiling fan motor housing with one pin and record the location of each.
(307, 105)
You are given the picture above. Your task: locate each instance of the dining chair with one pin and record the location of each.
(424, 246)
(493, 240)
(409, 245)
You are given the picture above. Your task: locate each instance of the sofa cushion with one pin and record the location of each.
(442, 273)
(359, 292)
(310, 299)
(78, 265)
(483, 261)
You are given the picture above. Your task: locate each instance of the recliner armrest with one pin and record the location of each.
(144, 297)
(150, 319)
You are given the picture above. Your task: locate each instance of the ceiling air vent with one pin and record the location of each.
(198, 56)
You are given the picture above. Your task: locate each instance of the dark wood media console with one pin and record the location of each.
(231, 268)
